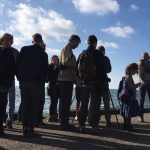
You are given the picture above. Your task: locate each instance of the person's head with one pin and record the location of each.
(92, 40)
(6, 40)
(101, 49)
(43, 45)
(74, 41)
(131, 69)
(55, 60)
(145, 55)
(37, 38)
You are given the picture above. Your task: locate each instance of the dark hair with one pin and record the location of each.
(92, 39)
(54, 56)
(130, 67)
(74, 37)
(37, 37)
(101, 48)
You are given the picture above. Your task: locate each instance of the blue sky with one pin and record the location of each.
(122, 26)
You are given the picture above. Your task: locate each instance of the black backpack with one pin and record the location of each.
(87, 66)
(123, 92)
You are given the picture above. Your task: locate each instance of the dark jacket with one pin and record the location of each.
(32, 64)
(7, 66)
(53, 71)
(101, 73)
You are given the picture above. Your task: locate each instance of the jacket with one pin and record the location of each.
(32, 64)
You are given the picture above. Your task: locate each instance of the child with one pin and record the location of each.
(130, 107)
(53, 87)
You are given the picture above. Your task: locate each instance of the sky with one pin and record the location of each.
(122, 26)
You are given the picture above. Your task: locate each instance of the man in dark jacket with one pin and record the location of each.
(106, 92)
(32, 67)
(91, 89)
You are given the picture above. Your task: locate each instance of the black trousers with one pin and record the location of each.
(54, 93)
(31, 95)
(90, 93)
(66, 88)
(3, 104)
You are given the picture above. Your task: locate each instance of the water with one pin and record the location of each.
(47, 100)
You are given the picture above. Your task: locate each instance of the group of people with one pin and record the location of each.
(88, 73)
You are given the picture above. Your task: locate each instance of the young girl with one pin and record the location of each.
(130, 107)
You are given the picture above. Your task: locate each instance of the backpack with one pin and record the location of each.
(123, 93)
(87, 66)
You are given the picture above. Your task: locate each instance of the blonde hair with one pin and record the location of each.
(4, 39)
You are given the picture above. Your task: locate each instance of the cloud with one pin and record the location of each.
(2, 6)
(134, 7)
(117, 31)
(108, 44)
(99, 7)
(52, 51)
(27, 20)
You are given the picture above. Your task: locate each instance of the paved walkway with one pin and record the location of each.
(104, 139)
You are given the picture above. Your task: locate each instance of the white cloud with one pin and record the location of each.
(117, 31)
(107, 44)
(27, 20)
(134, 7)
(99, 7)
(2, 6)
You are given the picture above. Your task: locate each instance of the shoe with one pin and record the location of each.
(9, 124)
(52, 119)
(108, 124)
(2, 133)
(131, 129)
(68, 127)
(82, 129)
(41, 124)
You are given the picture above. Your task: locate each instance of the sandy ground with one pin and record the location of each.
(105, 138)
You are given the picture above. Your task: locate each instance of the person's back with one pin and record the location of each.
(30, 64)
(32, 68)
(91, 90)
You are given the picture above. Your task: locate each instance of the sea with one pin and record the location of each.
(113, 103)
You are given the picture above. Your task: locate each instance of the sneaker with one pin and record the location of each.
(52, 119)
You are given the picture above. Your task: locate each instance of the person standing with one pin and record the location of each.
(91, 72)
(32, 68)
(53, 88)
(106, 92)
(12, 95)
(127, 95)
(7, 72)
(144, 75)
(66, 77)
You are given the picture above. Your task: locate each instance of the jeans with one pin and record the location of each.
(31, 95)
(3, 104)
(66, 88)
(89, 92)
(11, 102)
(143, 90)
